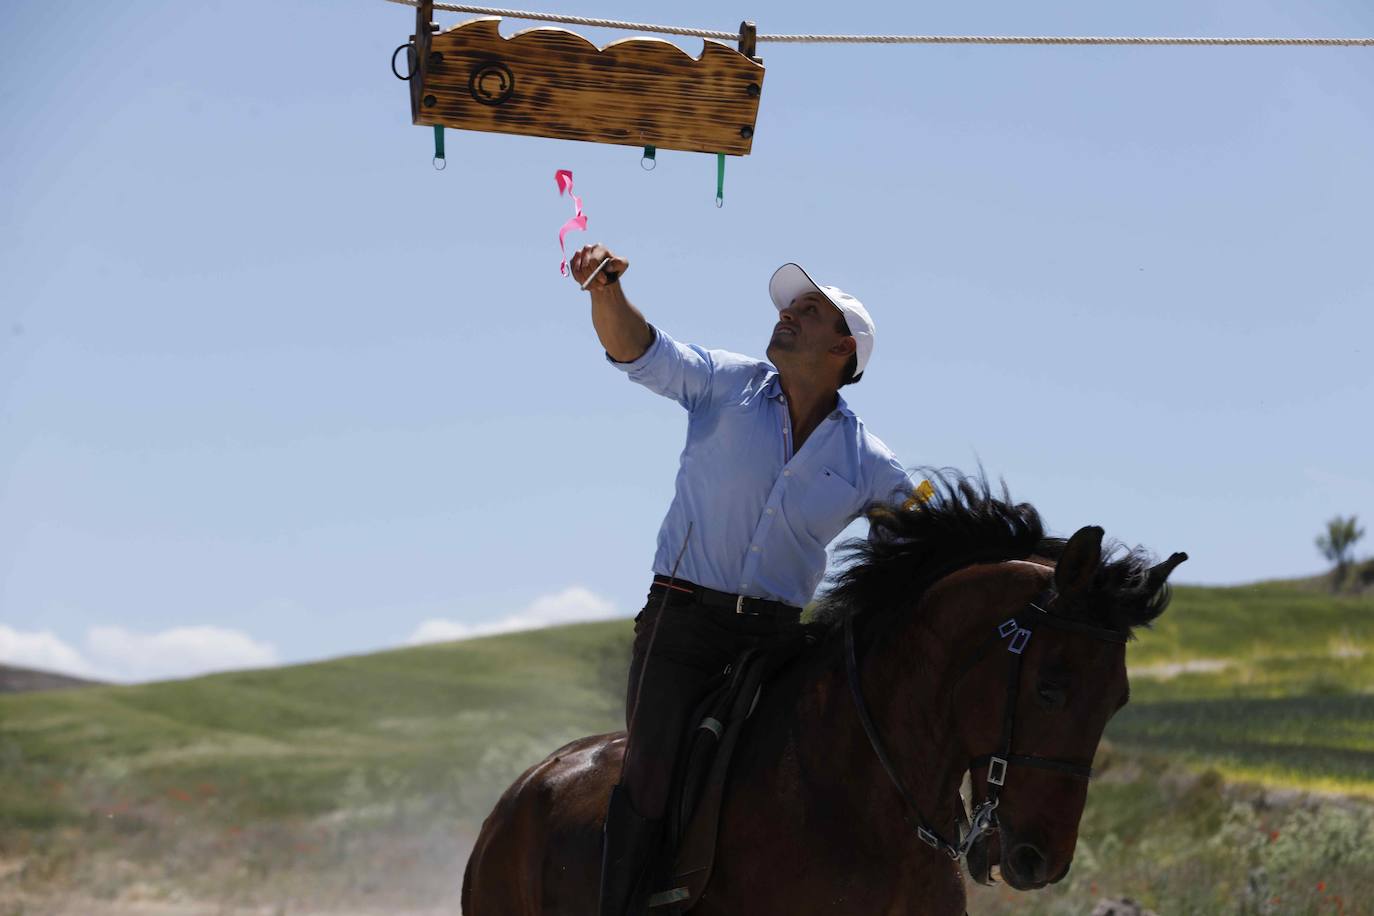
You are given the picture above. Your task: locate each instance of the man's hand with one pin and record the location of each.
(623, 332)
(584, 263)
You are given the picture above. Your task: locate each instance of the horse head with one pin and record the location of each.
(1032, 711)
(1006, 652)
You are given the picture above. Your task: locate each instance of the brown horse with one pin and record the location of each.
(959, 639)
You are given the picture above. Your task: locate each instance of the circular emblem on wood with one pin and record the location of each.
(491, 82)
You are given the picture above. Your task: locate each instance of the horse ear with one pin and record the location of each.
(1159, 573)
(1077, 565)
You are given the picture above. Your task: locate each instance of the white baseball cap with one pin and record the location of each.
(790, 281)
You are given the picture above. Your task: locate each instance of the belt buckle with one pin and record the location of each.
(739, 604)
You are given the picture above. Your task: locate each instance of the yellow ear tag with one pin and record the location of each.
(922, 494)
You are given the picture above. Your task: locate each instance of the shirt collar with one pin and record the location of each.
(772, 388)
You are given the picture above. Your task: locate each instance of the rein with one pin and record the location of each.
(1017, 634)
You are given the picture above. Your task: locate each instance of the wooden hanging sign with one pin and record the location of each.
(549, 82)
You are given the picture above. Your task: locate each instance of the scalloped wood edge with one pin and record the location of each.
(552, 82)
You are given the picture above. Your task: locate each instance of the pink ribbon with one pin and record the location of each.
(579, 219)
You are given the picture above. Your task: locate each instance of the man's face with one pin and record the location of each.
(807, 331)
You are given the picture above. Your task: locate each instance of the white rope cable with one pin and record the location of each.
(577, 20)
(895, 39)
(1058, 40)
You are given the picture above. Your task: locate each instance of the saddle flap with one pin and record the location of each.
(719, 724)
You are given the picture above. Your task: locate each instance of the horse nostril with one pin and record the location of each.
(1029, 863)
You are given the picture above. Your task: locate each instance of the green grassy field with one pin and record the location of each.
(361, 780)
(1281, 691)
(439, 720)
(355, 780)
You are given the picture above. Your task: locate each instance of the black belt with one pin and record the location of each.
(740, 604)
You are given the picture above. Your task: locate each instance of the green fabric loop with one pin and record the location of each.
(720, 179)
(438, 142)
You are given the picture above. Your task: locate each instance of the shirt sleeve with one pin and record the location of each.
(679, 371)
(892, 484)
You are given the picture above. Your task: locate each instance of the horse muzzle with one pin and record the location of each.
(1025, 862)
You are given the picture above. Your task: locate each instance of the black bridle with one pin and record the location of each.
(1016, 633)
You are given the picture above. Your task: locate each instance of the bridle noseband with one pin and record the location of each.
(1016, 633)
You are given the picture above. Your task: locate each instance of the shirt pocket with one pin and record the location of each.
(828, 505)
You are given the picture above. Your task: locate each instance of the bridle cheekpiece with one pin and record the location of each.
(1016, 632)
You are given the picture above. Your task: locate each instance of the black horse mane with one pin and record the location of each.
(909, 549)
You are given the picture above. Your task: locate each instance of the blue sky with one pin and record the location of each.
(273, 389)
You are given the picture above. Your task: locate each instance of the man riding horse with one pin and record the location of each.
(775, 466)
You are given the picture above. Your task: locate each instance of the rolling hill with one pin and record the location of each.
(14, 679)
(363, 778)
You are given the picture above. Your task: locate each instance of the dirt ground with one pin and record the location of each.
(401, 872)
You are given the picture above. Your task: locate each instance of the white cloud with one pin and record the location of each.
(572, 605)
(42, 650)
(114, 653)
(438, 629)
(178, 652)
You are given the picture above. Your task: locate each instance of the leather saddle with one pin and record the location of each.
(694, 808)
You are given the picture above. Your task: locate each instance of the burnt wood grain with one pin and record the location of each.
(549, 82)
(418, 54)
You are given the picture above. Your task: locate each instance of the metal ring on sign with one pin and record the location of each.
(414, 64)
(440, 163)
(720, 201)
(648, 163)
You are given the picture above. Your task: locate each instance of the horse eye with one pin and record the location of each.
(1051, 694)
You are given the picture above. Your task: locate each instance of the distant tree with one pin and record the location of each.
(1337, 543)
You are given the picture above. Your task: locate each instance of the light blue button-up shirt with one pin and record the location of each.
(760, 514)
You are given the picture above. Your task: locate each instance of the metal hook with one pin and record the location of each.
(412, 59)
(984, 821)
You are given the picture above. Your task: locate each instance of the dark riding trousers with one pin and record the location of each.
(700, 631)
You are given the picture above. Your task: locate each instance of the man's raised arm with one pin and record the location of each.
(620, 326)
